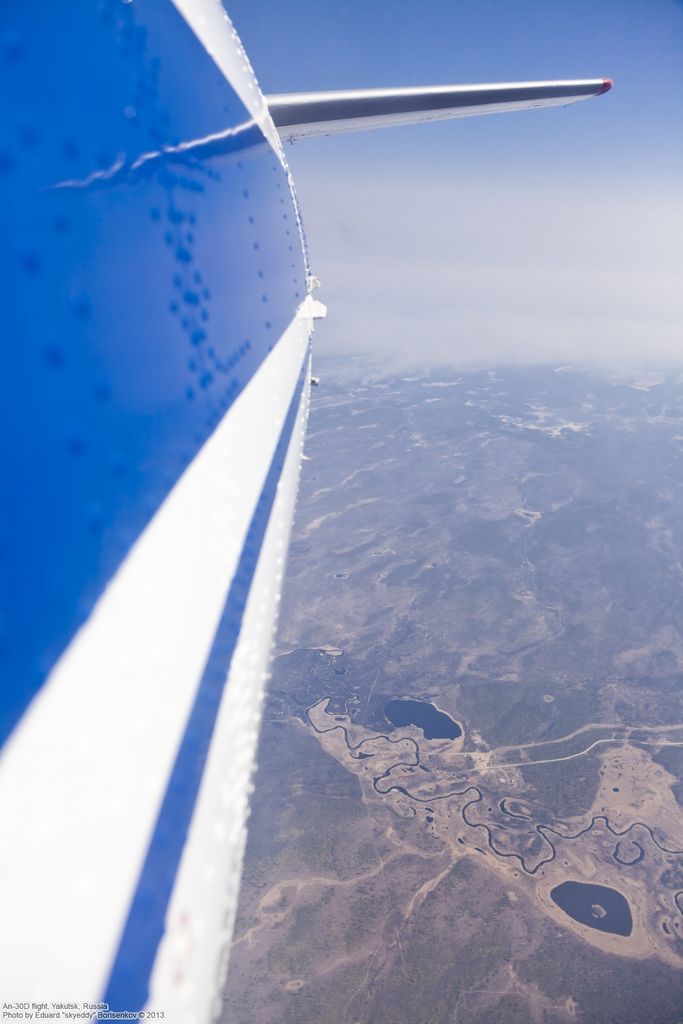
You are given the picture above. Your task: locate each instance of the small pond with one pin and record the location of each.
(435, 724)
(595, 905)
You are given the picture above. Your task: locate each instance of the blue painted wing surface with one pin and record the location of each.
(152, 397)
(142, 290)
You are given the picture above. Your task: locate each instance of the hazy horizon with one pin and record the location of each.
(468, 275)
(543, 236)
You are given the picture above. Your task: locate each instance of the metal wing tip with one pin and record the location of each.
(607, 84)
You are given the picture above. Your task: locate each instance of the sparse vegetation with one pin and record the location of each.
(522, 575)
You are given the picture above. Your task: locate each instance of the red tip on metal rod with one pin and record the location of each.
(607, 84)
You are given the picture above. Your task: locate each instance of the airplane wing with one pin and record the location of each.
(301, 114)
(153, 398)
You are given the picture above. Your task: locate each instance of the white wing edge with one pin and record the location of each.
(302, 114)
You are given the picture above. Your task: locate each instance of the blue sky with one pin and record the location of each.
(545, 235)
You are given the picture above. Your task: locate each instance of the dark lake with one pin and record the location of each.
(435, 724)
(595, 905)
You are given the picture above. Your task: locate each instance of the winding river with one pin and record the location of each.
(544, 831)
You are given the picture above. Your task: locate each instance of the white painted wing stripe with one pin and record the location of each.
(92, 755)
(215, 31)
(189, 970)
(128, 985)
